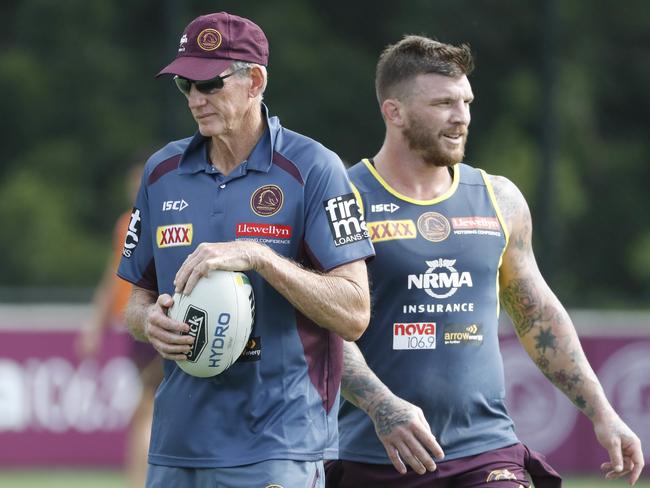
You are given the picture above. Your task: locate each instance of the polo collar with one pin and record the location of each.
(195, 157)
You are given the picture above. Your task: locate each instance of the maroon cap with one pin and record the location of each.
(210, 43)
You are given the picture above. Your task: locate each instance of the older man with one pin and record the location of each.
(246, 194)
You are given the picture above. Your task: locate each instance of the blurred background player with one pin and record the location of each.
(109, 302)
(426, 378)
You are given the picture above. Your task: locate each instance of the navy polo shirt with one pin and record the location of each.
(280, 399)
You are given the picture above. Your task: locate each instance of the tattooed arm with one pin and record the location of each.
(550, 339)
(400, 425)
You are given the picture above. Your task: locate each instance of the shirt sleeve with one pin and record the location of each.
(137, 264)
(335, 230)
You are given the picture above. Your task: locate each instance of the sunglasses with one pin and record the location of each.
(207, 87)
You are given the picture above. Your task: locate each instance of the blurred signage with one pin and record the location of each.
(56, 409)
(548, 422)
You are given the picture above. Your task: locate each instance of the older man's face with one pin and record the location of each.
(222, 112)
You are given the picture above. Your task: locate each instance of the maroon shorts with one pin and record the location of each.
(501, 468)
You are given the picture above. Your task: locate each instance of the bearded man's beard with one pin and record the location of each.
(429, 147)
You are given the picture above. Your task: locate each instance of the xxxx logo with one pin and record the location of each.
(174, 235)
(387, 230)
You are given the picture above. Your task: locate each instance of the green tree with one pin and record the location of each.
(79, 101)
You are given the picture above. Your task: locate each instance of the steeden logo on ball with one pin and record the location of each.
(219, 312)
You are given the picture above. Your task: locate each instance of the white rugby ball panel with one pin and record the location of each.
(220, 312)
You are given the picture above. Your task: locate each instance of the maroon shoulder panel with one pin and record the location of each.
(163, 168)
(288, 166)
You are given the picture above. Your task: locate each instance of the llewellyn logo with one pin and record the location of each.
(476, 226)
(345, 220)
(252, 229)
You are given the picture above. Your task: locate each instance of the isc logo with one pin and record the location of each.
(174, 205)
(345, 220)
(384, 207)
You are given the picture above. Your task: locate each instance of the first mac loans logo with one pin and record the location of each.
(132, 233)
(345, 220)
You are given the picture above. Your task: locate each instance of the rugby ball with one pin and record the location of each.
(220, 311)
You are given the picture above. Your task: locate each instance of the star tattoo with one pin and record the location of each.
(545, 340)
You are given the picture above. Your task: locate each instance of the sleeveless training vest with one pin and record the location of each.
(432, 338)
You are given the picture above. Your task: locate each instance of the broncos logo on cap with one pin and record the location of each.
(209, 39)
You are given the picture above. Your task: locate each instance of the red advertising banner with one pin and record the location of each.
(548, 422)
(58, 410)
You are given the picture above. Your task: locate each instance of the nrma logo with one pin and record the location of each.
(441, 279)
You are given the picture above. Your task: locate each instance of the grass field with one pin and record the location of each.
(61, 479)
(114, 479)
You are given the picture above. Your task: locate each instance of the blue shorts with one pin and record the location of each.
(274, 473)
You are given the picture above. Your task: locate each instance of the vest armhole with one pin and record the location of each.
(357, 195)
(495, 204)
(497, 210)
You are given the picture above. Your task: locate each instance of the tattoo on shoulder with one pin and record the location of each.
(519, 241)
(506, 197)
